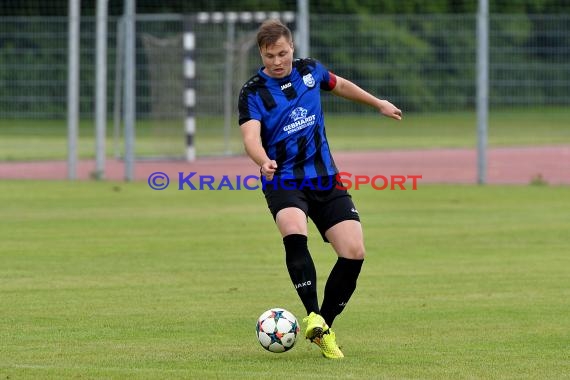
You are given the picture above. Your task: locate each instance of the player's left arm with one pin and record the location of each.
(351, 91)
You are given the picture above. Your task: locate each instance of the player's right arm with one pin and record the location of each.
(251, 135)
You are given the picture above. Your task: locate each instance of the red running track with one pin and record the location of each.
(511, 165)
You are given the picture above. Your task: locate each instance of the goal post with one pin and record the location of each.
(189, 88)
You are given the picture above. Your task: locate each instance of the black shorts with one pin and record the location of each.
(320, 199)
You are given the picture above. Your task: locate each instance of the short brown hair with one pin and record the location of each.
(270, 31)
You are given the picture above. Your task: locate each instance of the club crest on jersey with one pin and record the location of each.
(309, 80)
(298, 113)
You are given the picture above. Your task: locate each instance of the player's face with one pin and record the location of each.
(278, 58)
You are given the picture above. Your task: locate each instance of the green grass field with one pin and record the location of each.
(116, 281)
(36, 139)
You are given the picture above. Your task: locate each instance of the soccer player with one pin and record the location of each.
(283, 131)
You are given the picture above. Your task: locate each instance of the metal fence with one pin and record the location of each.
(421, 62)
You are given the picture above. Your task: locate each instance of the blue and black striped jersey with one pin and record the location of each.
(292, 120)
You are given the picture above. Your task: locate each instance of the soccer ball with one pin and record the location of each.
(277, 330)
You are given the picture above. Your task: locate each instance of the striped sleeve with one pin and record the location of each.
(328, 79)
(330, 84)
(247, 107)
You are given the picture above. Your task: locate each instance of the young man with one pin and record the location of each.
(283, 132)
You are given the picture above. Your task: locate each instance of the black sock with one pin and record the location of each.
(302, 270)
(339, 287)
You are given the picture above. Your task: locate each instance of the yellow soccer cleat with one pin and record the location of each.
(316, 326)
(328, 346)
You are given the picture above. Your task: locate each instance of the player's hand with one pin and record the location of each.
(390, 110)
(268, 169)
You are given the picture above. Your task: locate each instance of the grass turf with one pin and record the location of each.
(103, 280)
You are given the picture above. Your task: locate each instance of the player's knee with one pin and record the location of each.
(360, 253)
(291, 221)
(356, 252)
(293, 229)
